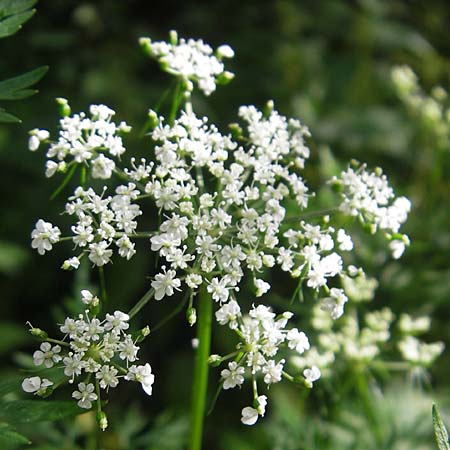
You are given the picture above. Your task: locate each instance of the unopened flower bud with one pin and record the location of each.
(236, 130)
(225, 51)
(173, 37)
(152, 119)
(191, 315)
(214, 360)
(146, 45)
(224, 78)
(64, 107)
(270, 105)
(37, 332)
(187, 86)
(102, 420)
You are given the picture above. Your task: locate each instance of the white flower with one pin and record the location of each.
(311, 375)
(33, 143)
(128, 350)
(71, 263)
(107, 377)
(228, 314)
(165, 283)
(194, 280)
(219, 289)
(47, 355)
(249, 415)
(261, 287)
(73, 365)
(345, 241)
(36, 137)
(85, 395)
(35, 384)
(102, 167)
(99, 253)
(44, 235)
(142, 374)
(272, 371)
(418, 352)
(117, 322)
(398, 246)
(233, 376)
(335, 303)
(297, 340)
(88, 298)
(225, 51)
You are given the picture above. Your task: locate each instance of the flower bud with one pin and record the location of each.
(37, 332)
(191, 315)
(215, 360)
(225, 51)
(64, 107)
(224, 78)
(146, 45)
(173, 37)
(236, 130)
(102, 420)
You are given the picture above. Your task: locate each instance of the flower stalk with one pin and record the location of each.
(200, 382)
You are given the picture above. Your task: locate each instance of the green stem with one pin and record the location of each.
(103, 285)
(141, 303)
(200, 383)
(367, 402)
(177, 97)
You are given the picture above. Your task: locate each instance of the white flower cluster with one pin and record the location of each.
(44, 236)
(99, 352)
(352, 341)
(238, 225)
(262, 336)
(84, 140)
(223, 200)
(101, 222)
(192, 60)
(368, 196)
(412, 349)
(431, 109)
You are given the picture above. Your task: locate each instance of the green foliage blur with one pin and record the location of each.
(328, 63)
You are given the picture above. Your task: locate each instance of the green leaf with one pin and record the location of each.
(9, 438)
(8, 118)
(13, 24)
(14, 88)
(13, 336)
(10, 383)
(10, 7)
(439, 430)
(29, 411)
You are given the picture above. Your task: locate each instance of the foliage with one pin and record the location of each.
(13, 14)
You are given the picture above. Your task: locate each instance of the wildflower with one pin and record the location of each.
(47, 355)
(311, 375)
(190, 59)
(142, 374)
(165, 283)
(35, 385)
(233, 376)
(261, 287)
(85, 395)
(44, 235)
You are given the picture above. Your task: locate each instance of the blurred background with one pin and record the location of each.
(327, 63)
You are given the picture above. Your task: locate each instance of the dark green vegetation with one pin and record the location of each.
(329, 64)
